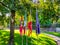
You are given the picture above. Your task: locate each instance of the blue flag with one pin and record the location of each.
(37, 23)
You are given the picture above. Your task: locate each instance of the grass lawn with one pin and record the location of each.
(54, 33)
(42, 39)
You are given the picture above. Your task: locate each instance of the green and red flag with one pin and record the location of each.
(25, 22)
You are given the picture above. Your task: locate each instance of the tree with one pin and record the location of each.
(46, 11)
(12, 6)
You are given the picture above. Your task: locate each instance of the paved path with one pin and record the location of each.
(57, 39)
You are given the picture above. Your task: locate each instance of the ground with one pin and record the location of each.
(55, 36)
(54, 33)
(42, 39)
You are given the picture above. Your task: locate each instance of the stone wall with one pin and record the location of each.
(50, 29)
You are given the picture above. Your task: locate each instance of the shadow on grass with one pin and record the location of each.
(44, 41)
(18, 40)
(4, 37)
(54, 33)
(47, 41)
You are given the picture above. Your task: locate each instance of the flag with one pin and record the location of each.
(29, 24)
(22, 18)
(35, 1)
(25, 22)
(21, 25)
(21, 28)
(37, 23)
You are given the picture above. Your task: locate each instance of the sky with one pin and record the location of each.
(7, 14)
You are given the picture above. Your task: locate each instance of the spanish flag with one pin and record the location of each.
(29, 24)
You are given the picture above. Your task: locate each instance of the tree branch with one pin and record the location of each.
(4, 5)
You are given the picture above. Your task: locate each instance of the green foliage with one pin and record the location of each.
(4, 20)
(48, 11)
(59, 21)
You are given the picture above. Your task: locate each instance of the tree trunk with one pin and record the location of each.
(12, 24)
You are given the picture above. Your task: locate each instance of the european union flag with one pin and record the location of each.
(37, 23)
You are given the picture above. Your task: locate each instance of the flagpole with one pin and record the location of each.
(36, 27)
(22, 18)
(37, 37)
(26, 29)
(26, 39)
(31, 33)
(22, 40)
(37, 21)
(21, 28)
